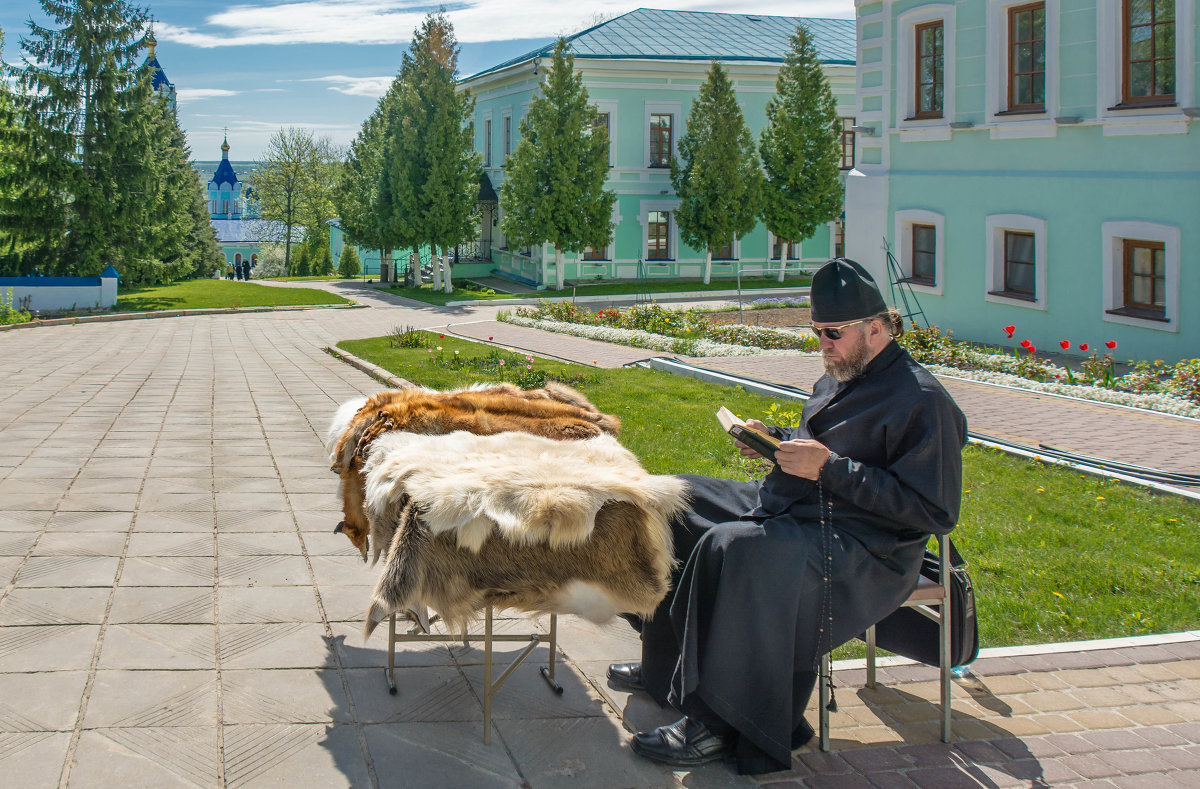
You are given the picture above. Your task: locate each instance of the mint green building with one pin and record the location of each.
(642, 71)
(1034, 164)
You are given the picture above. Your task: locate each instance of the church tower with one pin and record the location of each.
(162, 86)
(225, 190)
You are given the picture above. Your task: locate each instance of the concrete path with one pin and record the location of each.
(175, 611)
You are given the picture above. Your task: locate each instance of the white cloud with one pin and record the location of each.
(392, 21)
(373, 87)
(185, 95)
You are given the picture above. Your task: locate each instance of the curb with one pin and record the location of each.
(129, 316)
(373, 370)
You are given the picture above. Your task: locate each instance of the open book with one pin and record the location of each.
(761, 443)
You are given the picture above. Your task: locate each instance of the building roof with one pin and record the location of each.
(654, 34)
(160, 76)
(224, 174)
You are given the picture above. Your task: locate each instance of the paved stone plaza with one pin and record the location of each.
(176, 610)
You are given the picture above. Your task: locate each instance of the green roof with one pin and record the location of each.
(654, 34)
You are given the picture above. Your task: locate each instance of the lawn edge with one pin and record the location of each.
(126, 316)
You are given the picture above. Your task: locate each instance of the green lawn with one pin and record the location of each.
(1055, 555)
(426, 293)
(215, 293)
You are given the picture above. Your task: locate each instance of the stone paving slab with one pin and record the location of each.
(175, 611)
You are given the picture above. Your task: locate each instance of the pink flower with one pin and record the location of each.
(1066, 345)
(529, 367)
(1083, 346)
(501, 362)
(1110, 344)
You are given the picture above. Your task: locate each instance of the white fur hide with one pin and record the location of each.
(534, 489)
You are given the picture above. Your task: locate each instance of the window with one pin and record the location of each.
(844, 128)
(487, 143)
(723, 252)
(1020, 263)
(924, 254)
(507, 137)
(1148, 51)
(1144, 270)
(660, 140)
(601, 122)
(929, 69)
(1027, 57)
(1141, 274)
(793, 248)
(658, 235)
(595, 253)
(839, 238)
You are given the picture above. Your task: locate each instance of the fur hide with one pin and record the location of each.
(517, 521)
(556, 411)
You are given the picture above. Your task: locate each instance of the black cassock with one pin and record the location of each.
(741, 632)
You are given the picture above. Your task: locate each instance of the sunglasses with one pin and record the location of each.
(834, 332)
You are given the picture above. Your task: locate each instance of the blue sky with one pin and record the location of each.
(256, 66)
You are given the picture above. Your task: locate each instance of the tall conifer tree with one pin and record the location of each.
(717, 175)
(800, 150)
(431, 167)
(554, 189)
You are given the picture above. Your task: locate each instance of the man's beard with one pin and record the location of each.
(853, 363)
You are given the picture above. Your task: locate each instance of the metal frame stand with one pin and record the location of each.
(488, 637)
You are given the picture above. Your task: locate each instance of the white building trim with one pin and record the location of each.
(913, 129)
(904, 221)
(1040, 124)
(609, 106)
(675, 110)
(1112, 236)
(994, 227)
(673, 231)
(1109, 62)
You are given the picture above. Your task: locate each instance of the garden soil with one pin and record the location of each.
(780, 317)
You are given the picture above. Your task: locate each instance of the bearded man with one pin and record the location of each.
(776, 572)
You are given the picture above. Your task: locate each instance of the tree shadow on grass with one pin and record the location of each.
(146, 303)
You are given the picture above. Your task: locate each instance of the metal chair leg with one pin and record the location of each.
(823, 702)
(870, 639)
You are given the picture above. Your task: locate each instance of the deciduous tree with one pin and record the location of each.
(800, 150)
(717, 174)
(554, 185)
(293, 182)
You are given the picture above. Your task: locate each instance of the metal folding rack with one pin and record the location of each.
(488, 638)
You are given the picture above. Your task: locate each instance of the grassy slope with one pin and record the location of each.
(1081, 558)
(215, 293)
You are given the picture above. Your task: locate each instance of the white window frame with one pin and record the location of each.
(904, 221)
(796, 246)
(1112, 237)
(644, 210)
(1110, 65)
(610, 106)
(675, 110)
(994, 227)
(906, 107)
(506, 130)
(485, 126)
(1024, 124)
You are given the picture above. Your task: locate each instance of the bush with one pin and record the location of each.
(1185, 380)
(323, 261)
(270, 262)
(301, 261)
(348, 264)
(10, 313)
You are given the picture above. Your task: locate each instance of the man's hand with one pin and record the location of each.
(802, 457)
(746, 451)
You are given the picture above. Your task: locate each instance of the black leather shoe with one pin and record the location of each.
(626, 676)
(685, 743)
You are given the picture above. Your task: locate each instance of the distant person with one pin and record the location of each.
(228, 271)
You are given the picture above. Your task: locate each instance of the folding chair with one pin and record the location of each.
(488, 637)
(931, 599)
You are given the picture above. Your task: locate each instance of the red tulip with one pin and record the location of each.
(1083, 346)
(441, 336)
(489, 339)
(1066, 345)
(1110, 344)
(1010, 329)
(1031, 348)
(1025, 343)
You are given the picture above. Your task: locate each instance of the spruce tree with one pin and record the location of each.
(554, 185)
(431, 169)
(717, 175)
(349, 264)
(88, 109)
(800, 150)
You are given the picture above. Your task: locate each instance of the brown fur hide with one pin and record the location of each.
(557, 411)
(517, 521)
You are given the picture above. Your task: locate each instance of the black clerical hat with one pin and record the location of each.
(842, 290)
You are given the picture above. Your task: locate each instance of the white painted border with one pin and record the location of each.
(506, 114)
(609, 106)
(906, 51)
(904, 220)
(1151, 120)
(643, 219)
(996, 90)
(675, 110)
(486, 131)
(1111, 236)
(994, 227)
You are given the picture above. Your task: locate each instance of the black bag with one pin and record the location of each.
(909, 633)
